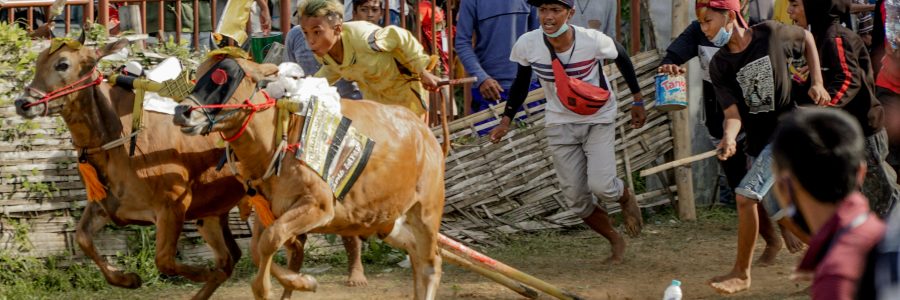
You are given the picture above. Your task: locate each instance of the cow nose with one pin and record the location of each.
(182, 115)
(20, 103)
(22, 110)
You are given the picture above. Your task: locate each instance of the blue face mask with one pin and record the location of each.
(722, 37)
(563, 29)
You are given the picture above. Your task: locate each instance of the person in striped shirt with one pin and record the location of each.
(582, 144)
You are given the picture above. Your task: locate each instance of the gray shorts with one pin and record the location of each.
(585, 160)
(758, 182)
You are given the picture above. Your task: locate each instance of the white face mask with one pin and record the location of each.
(559, 32)
(722, 37)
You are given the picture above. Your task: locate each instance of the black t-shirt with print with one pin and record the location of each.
(758, 79)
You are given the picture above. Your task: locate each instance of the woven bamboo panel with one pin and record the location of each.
(512, 186)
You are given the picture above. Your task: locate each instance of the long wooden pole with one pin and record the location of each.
(196, 39)
(636, 26)
(285, 19)
(485, 261)
(103, 13)
(682, 130)
(516, 286)
(178, 24)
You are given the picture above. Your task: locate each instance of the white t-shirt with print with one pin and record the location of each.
(591, 47)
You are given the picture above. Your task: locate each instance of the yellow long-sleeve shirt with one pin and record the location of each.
(384, 62)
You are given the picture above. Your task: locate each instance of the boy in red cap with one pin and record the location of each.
(752, 80)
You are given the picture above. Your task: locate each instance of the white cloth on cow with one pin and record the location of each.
(292, 85)
(168, 69)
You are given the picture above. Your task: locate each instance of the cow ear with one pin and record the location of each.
(265, 70)
(257, 71)
(112, 47)
(83, 37)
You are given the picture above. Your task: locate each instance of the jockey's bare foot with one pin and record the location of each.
(770, 253)
(794, 244)
(731, 283)
(357, 278)
(617, 247)
(634, 222)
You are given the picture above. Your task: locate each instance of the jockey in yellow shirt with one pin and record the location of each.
(388, 64)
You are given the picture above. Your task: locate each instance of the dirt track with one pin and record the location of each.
(690, 252)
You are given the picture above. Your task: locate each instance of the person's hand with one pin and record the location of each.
(819, 95)
(671, 69)
(490, 89)
(638, 114)
(430, 81)
(500, 130)
(265, 23)
(727, 148)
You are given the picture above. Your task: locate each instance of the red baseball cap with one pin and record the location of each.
(732, 5)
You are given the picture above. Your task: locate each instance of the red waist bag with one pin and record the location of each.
(576, 95)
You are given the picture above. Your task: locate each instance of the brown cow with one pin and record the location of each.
(399, 195)
(170, 179)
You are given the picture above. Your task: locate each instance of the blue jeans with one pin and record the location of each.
(758, 182)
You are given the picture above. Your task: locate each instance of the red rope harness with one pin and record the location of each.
(270, 102)
(293, 147)
(68, 89)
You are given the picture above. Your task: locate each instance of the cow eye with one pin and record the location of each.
(62, 66)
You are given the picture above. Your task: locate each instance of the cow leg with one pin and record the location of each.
(168, 229)
(401, 237)
(211, 230)
(295, 253)
(295, 249)
(233, 249)
(297, 220)
(92, 221)
(421, 227)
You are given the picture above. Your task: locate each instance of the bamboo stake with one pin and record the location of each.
(485, 261)
(679, 162)
(516, 286)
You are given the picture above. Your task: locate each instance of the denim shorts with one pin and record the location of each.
(758, 182)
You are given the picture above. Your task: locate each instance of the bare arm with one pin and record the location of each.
(817, 90)
(265, 17)
(732, 126)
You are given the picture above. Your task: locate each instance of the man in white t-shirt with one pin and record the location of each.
(582, 141)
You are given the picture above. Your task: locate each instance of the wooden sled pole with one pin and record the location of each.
(516, 286)
(483, 260)
(679, 162)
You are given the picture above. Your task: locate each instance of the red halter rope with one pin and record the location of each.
(68, 89)
(253, 108)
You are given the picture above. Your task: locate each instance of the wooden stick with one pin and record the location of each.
(627, 159)
(516, 286)
(485, 261)
(463, 80)
(679, 162)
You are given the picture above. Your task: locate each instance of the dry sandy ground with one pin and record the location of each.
(691, 252)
